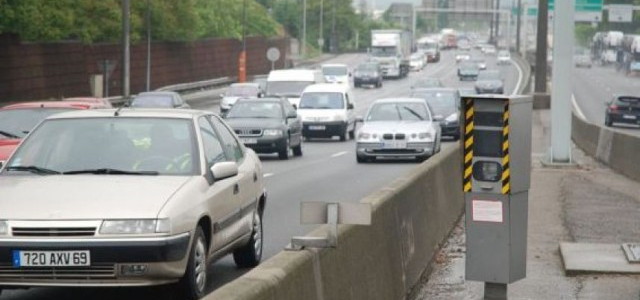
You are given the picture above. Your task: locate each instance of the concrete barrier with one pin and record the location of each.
(411, 218)
(618, 150)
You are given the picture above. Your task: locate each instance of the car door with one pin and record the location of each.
(294, 124)
(351, 116)
(248, 177)
(221, 195)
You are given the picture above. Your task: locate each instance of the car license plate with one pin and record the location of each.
(317, 127)
(249, 141)
(395, 145)
(51, 258)
(629, 117)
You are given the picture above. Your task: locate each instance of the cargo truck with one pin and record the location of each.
(391, 48)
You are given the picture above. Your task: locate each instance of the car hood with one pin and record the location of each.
(254, 123)
(88, 197)
(488, 83)
(397, 126)
(7, 147)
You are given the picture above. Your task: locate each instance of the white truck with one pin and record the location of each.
(391, 48)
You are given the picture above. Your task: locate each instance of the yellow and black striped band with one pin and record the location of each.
(506, 173)
(468, 145)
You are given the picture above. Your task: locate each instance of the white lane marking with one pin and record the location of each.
(340, 154)
(266, 175)
(520, 74)
(577, 107)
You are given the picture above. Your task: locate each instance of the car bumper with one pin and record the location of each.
(162, 258)
(366, 80)
(468, 76)
(450, 130)
(378, 150)
(628, 118)
(390, 72)
(490, 90)
(264, 144)
(323, 129)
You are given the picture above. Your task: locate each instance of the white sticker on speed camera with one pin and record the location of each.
(486, 211)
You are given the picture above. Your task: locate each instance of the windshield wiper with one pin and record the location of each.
(9, 135)
(33, 169)
(107, 171)
(413, 112)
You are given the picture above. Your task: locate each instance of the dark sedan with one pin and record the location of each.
(444, 104)
(267, 125)
(368, 73)
(159, 100)
(623, 109)
(468, 71)
(489, 82)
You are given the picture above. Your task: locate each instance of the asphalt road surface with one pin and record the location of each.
(592, 87)
(326, 172)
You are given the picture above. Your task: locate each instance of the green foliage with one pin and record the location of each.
(584, 33)
(101, 20)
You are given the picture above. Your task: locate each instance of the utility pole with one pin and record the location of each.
(304, 29)
(334, 39)
(541, 50)
(493, 19)
(497, 34)
(125, 48)
(242, 60)
(518, 25)
(321, 33)
(148, 18)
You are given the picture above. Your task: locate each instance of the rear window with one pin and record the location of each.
(152, 101)
(628, 101)
(322, 101)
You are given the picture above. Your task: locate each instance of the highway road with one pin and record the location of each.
(326, 172)
(592, 87)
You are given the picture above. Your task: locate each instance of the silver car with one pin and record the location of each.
(398, 128)
(129, 198)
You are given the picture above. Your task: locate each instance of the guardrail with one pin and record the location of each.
(524, 66)
(411, 218)
(618, 150)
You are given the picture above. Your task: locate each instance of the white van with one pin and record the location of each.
(327, 110)
(291, 83)
(336, 73)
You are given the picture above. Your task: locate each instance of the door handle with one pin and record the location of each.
(236, 189)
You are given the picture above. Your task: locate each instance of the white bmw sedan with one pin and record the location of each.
(398, 128)
(131, 197)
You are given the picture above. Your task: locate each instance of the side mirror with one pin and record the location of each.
(2, 162)
(438, 118)
(294, 106)
(223, 170)
(292, 115)
(359, 119)
(350, 106)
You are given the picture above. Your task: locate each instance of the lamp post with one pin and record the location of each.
(148, 19)
(125, 48)
(321, 34)
(242, 60)
(304, 28)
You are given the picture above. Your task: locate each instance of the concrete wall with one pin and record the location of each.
(411, 218)
(30, 71)
(618, 150)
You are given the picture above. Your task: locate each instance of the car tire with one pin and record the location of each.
(607, 121)
(352, 133)
(283, 153)
(379, 85)
(193, 284)
(456, 137)
(249, 255)
(363, 159)
(345, 133)
(297, 150)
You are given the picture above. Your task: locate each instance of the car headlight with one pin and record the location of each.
(272, 132)
(424, 135)
(452, 118)
(141, 226)
(364, 136)
(4, 228)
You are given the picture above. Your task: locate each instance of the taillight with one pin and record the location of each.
(613, 107)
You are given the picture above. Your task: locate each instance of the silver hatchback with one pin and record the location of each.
(129, 198)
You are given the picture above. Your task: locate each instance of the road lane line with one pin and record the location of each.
(520, 74)
(339, 154)
(267, 175)
(577, 107)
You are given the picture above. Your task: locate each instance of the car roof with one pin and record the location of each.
(326, 87)
(265, 99)
(54, 104)
(132, 112)
(396, 100)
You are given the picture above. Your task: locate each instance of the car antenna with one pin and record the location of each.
(117, 112)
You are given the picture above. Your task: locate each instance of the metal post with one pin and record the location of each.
(518, 19)
(304, 28)
(563, 32)
(105, 75)
(148, 17)
(321, 33)
(334, 38)
(497, 34)
(125, 48)
(541, 47)
(492, 22)
(242, 60)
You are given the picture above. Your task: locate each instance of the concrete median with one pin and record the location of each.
(411, 218)
(618, 150)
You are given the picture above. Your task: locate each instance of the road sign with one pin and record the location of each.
(586, 10)
(273, 54)
(620, 13)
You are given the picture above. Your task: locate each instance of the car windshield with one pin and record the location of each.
(319, 100)
(491, 75)
(242, 91)
(469, 66)
(152, 101)
(398, 111)
(383, 51)
(16, 123)
(367, 67)
(262, 110)
(287, 88)
(441, 103)
(116, 145)
(503, 53)
(334, 71)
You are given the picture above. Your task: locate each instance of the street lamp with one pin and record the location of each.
(148, 19)
(242, 60)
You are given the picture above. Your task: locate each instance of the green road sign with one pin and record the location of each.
(583, 5)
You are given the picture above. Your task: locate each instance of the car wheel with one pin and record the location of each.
(283, 153)
(297, 150)
(379, 85)
(345, 133)
(363, 159)
(194, 282)
(250, 254)
(352, 133)
(607, 121)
